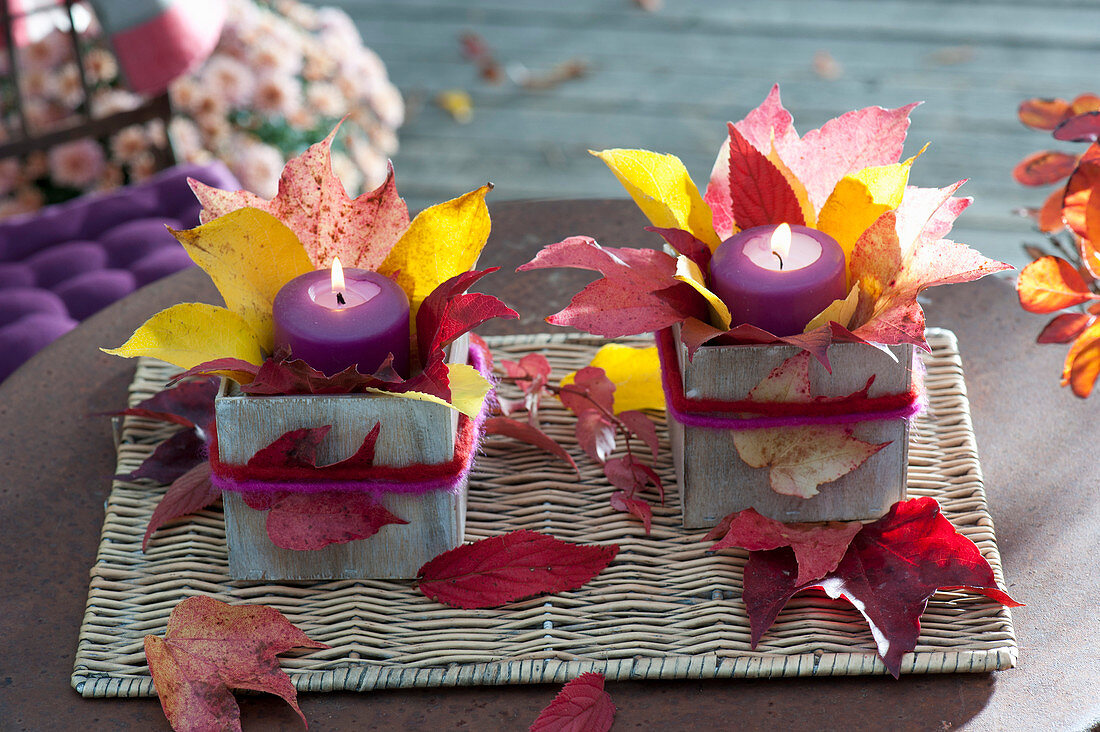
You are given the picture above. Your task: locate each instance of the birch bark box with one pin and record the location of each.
(411, 432)
(715, 482)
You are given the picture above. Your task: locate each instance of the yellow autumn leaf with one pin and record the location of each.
(192, 333)
(635, 372)
(839, 311)
(663, 190)
(250, 255)
(689, 272)
(860, 198)
(441, 242)
(808, 214)
(468, 390)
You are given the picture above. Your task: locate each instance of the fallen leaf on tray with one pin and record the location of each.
(501, 569)
(188, 493)
(211, 647)
(582, 705)
(528, 433)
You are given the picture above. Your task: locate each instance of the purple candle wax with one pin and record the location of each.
(330, 329)
(773, 287)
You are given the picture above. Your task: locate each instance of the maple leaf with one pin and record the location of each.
(310, 521)
(637, 294)
(582, 705)
(211, 647)
(641, 427)
(501, 569)
(889, 571)
(188, 493)
(818, 547)
(312, 202)
(530, 434)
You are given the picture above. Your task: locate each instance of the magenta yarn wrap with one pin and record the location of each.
(716, 421)
(466, 444)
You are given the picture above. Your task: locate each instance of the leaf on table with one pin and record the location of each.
(250, 255)
(443, 241)
(1082, 365)
(530, 434)
(190, 404)
(310, 521)
(890, 570)
(191, 333)
(637, 507)
(172, 458)
(631, 476)
(1050, 284)
(312, 202)
(638, 293)
(595, 435)
(211, 647)
(641, 427)
(663, 190)
(1044, 167)
(635, 372)
(1081, 128)
(501, 569)
(189, 493)
(818, 547)
(759, 192)
(590, 389)
(1044, 114)
(1064, 327)
(582, 705)
(799, 459)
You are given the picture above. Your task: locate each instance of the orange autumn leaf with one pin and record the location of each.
(1085, 103)
(1082, 366)
(211, 647)
(1043, 167)
(1044, 114)
(1049, 217)
(1079, 189)
(1050, 284)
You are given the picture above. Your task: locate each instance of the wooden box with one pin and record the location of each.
(411, 432)
(713, 479)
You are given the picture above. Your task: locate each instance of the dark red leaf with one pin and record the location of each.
(446, 313)
(638, 507)
(527, 433)
(642, 427)
(243, 371)
(1082, 128)
(1064, 328)
(172, 458)
(891, 569)
(590, 390)
(364, 456)
(684, 242)
(501, 569)
(293, 449)
(282, 374)
(631, 476)
(307, 521)
(1044, 167)
(190, 492)
(190, 404)
(760, 193)
(581, 706)
(595, 435)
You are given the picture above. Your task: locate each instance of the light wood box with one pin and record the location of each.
(411, 432)
(713, 479)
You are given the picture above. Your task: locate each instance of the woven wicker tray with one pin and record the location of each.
(664, 609)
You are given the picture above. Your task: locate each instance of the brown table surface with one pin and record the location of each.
(1038, 448)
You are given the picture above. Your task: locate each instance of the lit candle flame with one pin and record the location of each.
(781, 241)
(338, 274)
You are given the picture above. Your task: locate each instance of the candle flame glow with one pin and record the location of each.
(337, 275)
(781, 240)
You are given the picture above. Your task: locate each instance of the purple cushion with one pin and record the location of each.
(66, 262)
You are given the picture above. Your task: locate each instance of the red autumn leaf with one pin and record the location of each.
(1044, 114)
(284, 374)
(1050, 284)
(1082, 366)
(308, 521)
(818, 547)
(531, 372)
(1064, 328)
(448, 312)
(313, 204)
(1043, 167)
(595, 435)
(642, 427)
(292, 449)
(172, 458)
(639, 507)
(1082, 128)
(890, 570)
(501, 569)
(638, 293)
(582, 705)
(190, 492)
(590, 390)
(190, 404)
(759, 193)
(527, 433)
(631, 476)
(211, 647)
(240, 371)
(684, 242)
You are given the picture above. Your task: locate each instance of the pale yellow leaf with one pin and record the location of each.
(250, 255)
(468, 390)
(441, 242)
(192, 333)
(839, 311)
(689, 272)
(635, 372)
(663, 190)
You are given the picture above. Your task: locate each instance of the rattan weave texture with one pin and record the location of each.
(664, 609)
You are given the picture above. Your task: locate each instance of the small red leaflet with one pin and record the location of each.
(582, 705)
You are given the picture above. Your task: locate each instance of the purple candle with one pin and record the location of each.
(332, 319)
(778, 277)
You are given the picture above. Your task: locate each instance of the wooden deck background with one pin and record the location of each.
(669, 80)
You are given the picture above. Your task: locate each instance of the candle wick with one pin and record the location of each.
(340, 295)
(779, 258)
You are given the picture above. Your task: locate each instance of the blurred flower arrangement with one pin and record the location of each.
(282, 75)
(1066, 276)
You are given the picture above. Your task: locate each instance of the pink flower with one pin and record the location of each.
(278, 95)
(10, 171)
(325, 99)
(129, 143)
(230, 79)
(258, 167)
(76, 164)
(101, 65)
(109, 101)
(186, 139)
(48, 52)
